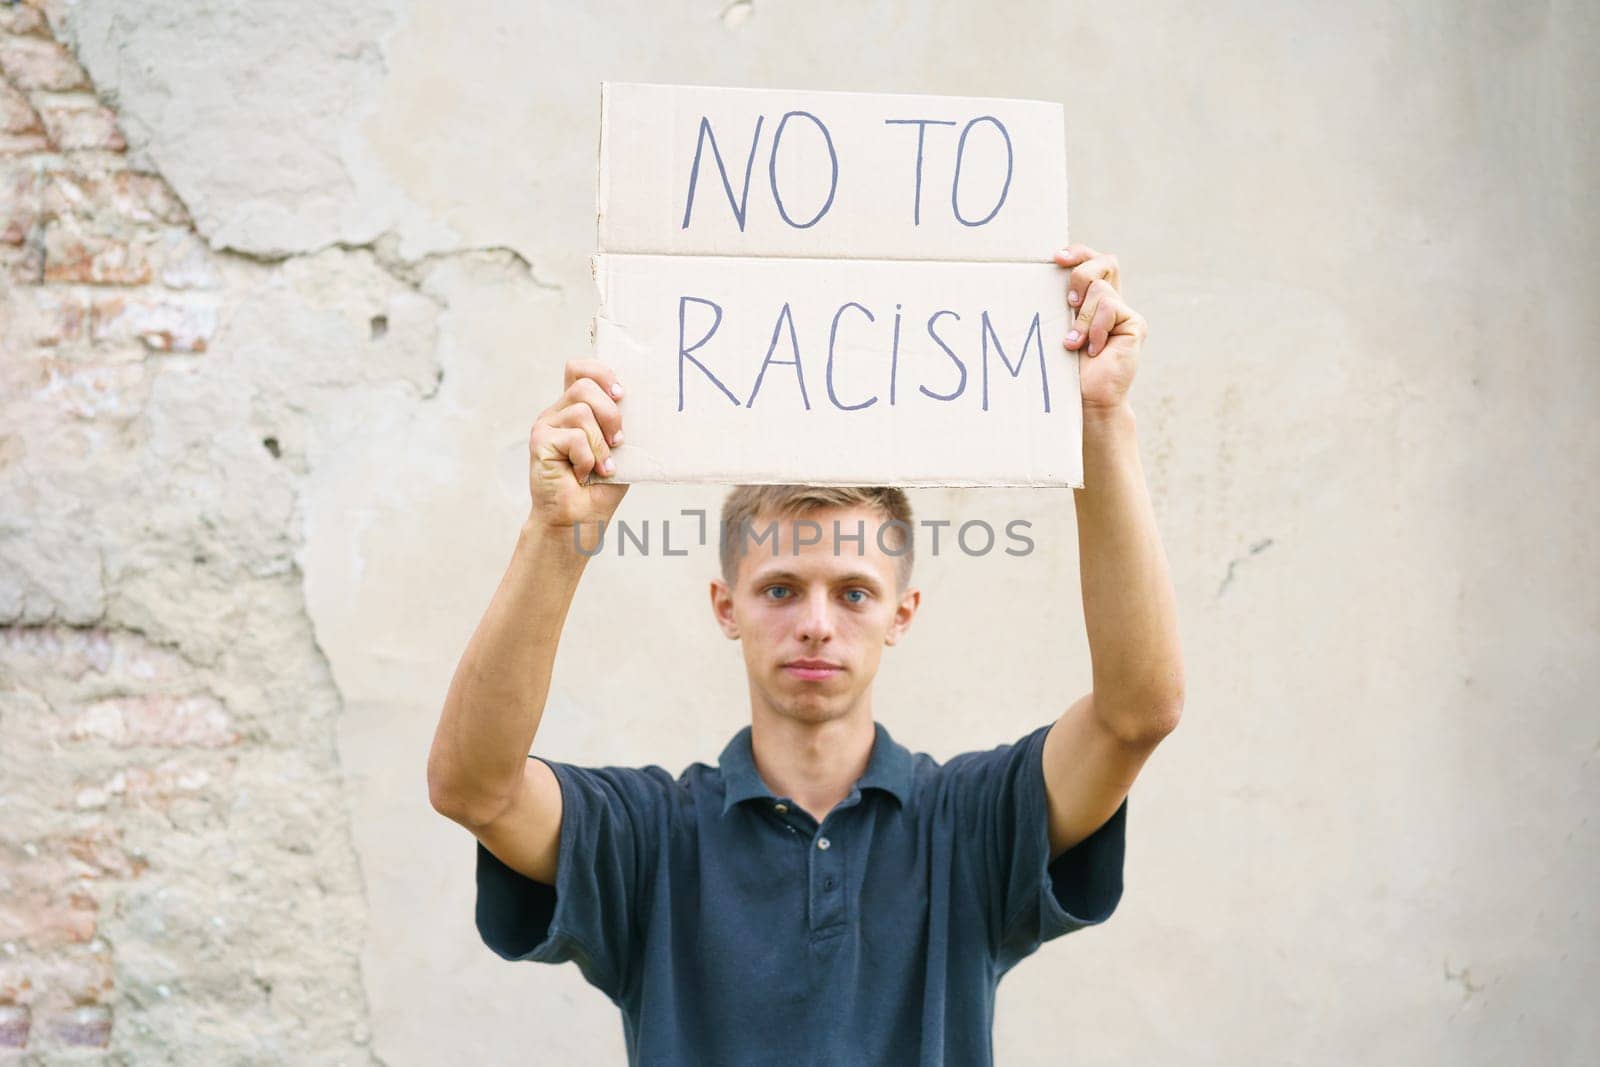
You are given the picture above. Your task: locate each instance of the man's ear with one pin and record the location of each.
(904, 612)
(722, 608)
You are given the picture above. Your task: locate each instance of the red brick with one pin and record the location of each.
(158, 720)
(32, 63)
(82, 125)
(144, 198)
(24, 144)
(71, 652)
(115, 200)
(42, 869)
(99, 854)
(47, 906)
(16, 978)
(53, 11)
(78, 654)
(20, 204)
(154, 788)
(14, 1023)
(58, 978)
(16, 114)
(88, 1026)
(72, 255)
(87, 975)
(48, 318)
(164, 324)
(55, 979)
(22, 20)
(41, 918)
(91, 391)
(22, 264)
(65, 192)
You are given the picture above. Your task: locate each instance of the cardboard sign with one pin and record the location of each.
(836, 288)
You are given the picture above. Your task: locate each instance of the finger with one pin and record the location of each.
(572, 445)
(606, 411)
(593, 368)
(1131, 324)
(1087, 273)
(1073, 254)
(1080, 325)
(1092, 298)
(1107, 310)
(580, 416)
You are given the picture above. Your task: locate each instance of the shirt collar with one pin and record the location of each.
(888, 768)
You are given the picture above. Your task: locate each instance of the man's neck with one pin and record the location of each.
(815, 764)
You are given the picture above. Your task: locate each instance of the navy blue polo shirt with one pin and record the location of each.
(731, 928)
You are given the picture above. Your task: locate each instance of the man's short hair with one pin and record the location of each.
(745, 503)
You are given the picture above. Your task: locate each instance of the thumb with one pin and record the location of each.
(607, 495)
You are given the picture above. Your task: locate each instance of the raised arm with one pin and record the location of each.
(479, 774)
(1098, 745)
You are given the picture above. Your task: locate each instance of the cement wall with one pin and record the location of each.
(286, 284)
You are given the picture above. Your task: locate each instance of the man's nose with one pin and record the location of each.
(816, 618)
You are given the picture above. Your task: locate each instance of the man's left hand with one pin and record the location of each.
(1106, 331)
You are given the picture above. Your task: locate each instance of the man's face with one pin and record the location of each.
(814, 618)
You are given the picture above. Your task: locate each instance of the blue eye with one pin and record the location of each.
(776, 589)
(853, 592)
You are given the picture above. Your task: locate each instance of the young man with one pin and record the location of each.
(821, 895)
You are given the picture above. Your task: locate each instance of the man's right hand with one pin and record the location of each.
(569, 450)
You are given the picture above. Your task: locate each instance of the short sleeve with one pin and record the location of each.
(1003, 817)
(613, 822)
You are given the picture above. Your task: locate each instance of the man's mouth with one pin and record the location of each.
(812, 670)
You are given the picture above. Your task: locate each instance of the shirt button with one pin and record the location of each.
(780, 808)
(823, 843)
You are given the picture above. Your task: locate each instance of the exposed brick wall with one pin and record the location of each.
(176, 878)
(77, 227)
(115, 711)
(102, 262)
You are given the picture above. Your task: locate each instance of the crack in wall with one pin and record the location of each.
(384, 248)
(1255, 550)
